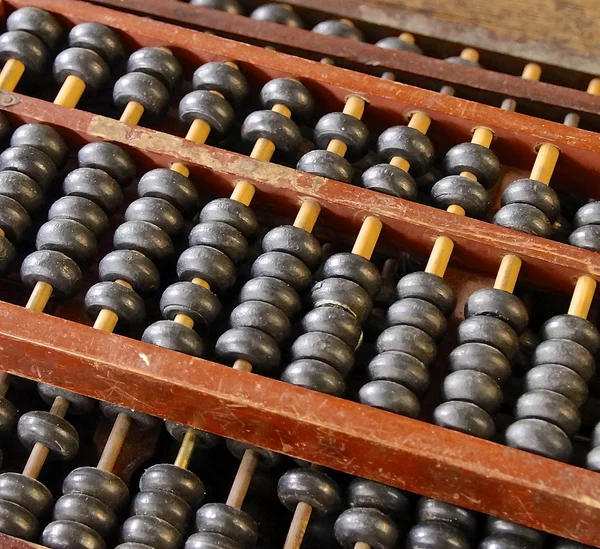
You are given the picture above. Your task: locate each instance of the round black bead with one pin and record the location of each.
(8, 416)
(480, 357)
(208, 107)
(345, 128)
(409, 144)
(37, 22)
(67, 533)
(145, 238)
(81, 210)
(223, 78)
(87, 510)
(230, 6)
(132, 267)
(156, 211)
(340, 292)
(560, 379)
(205, 540)
(549, 406)
(95, 185)
(274, 291)
(119, 299)
(144, 89)
(539, 437)
(366, 525)
(277, 13)
(41, 137)
(465, 417)
(171, 186)
(435, 510)
(174, 336)
(410, 340)
(390, 396)
(163, 505)
(157, 62)
(209, 264)
(326, 164)
(99, 484)
(475, 159)
(109, 158)
(309, 486)
(491, 331)
(586, 237)
(499, 304)
(17, 521)
(250, 344)
(534, 193)
(26, 48)
(268, 459)
(588, 214)
(420, 314)
(30, 161)
(367, 493)
(395, 43)
(26, 492)
(460, 191)
(428, 287)
(219, 518)
(572, 327)
(288, 92)
(401, 368)
(355, 268)
(54, 432)
(78, 404)
(85, 64)
(99, 38)
(166, 477)
(233, 213)
(335, 321)
(150, 531)
(192, 300)
(14, 219)
(274, 126)
(143, 421)
(68, 237)
(315, 375)
(524, 218)
(54, 268)
(325, 348)
(436, 535)
(221, 236)
(262, 316)
(338, 28)
(285, 267)
(294, 241)
(567, 353)
(473, 386)
(388, 179)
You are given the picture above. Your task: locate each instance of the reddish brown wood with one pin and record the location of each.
(390, 102)
(8, 542)
(359, 440)
(535, 98)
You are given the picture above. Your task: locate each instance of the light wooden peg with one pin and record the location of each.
(240, 485)
(545, 163)
(107, 320)
(186, 449)
(180, 168)
(594, 86)
(243, 192)
(407, 37)
(298, 526)
(132, 114)
(440, 256)
(367, 237)
(307, 215)
(115, 442)
(198, 131)
(470, 54)
(11, 75)
(420, 121)
(482, 136)
(39, 297)
(581, 301)
(70, 92)
(532, 71)
(508, 273)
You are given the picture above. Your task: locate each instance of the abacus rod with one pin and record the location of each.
(115, 442)
(11, 74)
(508, 273)
(298, 526)
(70, 92)
(242, 479)
(583, 295)
(361, 545)
(186, 449)
(132, 114)
(545, 162)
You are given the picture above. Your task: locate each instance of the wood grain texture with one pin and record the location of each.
(357, 439)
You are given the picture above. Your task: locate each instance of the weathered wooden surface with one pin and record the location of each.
(357, 439)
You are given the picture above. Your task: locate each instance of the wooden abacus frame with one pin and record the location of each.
(411, 454)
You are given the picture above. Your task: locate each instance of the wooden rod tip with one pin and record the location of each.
(594, 86)
(470, 54)
(532, 71)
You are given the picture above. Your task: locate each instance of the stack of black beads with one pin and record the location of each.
(586, 227)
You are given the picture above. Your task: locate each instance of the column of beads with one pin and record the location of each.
(547, 414)
(153, 74)
(402, 148)
(371, 520)
(32, 37)
(488, 340)
(93, 49)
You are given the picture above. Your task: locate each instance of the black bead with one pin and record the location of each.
(41, 137)
(85, 64)
(205, 540)
(409, 144)
(164, 505)
(17, 521)
(158, 63)
(366, 525)
(338, 28)
(534, 193)
(479, 357)
(145, 238)
(367, 493)
(274, 126)
(491, 331)
(395, 43)
(560, 379)
(588, 214)
(340, 292)
(428, 287)
(130, 266)
(95, 185)
(30, 161)
(38, 22)
(435, 510)
(326, 164)
(274, 291)
(288, 92)
(504, 527)
(26, 492)
(390, 396)
(408, 339)
(572, 327)
(268, 459)
(222, 78)
(475, 387)
(587, 237)
(262, 316)
(309, 486)
(55, 268)
(285, 267)
(157, 211)
(81, 210)
(174, 336)
(233, 213)
(355, 268)
(68, 237)
(142, 421)
(539, 437)
(475, 159)
(499, 304)
(549, 406)
(388, 179)
(315, 375)
(400, 368)
(166, 477)
(335, 321)
(14, 219)
(78, 404)
(277, 13)
(204, 439)
(144, 89)
(86, 510)
(420, 314)
(524, 218)
(119, 299)
(97, 483)
(54, 432)
(208, 107)
(219, 518)
(8, 416)
(66, 533)
(192, 300)
(461, 191)
(465, 417)
(171, 186)
(250, 344)
(325, 348)
(109, 158)
(99, 38)
(346, 128)
(294, 241)
(209, 264)
(567, 353)
(26, 48)
(436, 535)
(222, 236)
(230, 6)
(150, 531)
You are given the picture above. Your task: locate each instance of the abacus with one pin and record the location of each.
(255, 299)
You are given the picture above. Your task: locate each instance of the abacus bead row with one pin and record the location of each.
(556, 388)
(324, 354)
(488, 341)
(399, 374)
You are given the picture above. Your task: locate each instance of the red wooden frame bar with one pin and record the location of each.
(478, 245)
(357, 439)
(537, 98)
